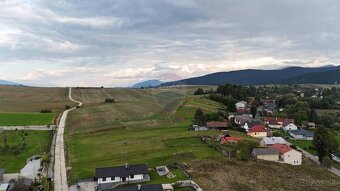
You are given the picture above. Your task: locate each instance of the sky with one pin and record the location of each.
(116, 43)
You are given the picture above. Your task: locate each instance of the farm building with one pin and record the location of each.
(110, 176)
(287, 154)
(266, 154)
(267, 141)
(301, 134)
(216, 125)
(257, 131)
(289, 126)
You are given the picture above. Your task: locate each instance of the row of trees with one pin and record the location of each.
(325, 144)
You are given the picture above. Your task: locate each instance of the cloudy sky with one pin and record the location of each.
(120, 42)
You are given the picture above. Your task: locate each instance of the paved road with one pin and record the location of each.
(60, 173)
(31, 127)
(316, 160)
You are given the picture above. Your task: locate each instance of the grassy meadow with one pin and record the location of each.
(17, 119)
(14, 158)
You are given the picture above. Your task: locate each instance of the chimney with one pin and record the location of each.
(139, 187)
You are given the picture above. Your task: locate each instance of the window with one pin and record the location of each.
(113, 178)
(103, 179)
(132, 176)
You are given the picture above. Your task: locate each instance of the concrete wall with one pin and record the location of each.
(274, 157)
(292, 157)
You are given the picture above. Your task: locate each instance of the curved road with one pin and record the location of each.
(60, 174)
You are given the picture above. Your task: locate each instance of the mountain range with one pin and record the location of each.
(148, 83)
(7, 83)
(316, 75)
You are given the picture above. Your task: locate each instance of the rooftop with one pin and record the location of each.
(215, 124)
(257, 128)
(273, 140)
(121, 171)
(265, 151)
(150, 187)
(281, 148)
(302, 132)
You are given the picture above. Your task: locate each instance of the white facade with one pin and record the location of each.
(275, 126)
(292, 157)
(290, 127)
(120, 179)
(241, 105)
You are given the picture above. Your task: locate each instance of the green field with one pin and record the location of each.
(14, 159)
(21, 119)
(304, 144)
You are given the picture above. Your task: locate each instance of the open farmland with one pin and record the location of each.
(21, 119)
(14, 158)
(32, 99)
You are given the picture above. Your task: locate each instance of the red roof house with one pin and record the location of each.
(281, 148)
(216, 125)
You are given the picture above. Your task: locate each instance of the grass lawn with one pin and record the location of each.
(12, 119)
(303, 144)
(36, 143)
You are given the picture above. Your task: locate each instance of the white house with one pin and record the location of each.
(289, 126)
(109, 176)
(268, 141)
(241, 105)
(147, 187)
(287, 154)
(301, 134)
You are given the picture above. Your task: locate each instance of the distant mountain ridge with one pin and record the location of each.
(7, 83)
(328, 77)
(148, 83)
(251, 76)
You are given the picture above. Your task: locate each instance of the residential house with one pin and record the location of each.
(257, 131)
(110, 176)
(226, 140)
(274, 125)
(242, 119)
(278, 120)
(251, 123)
(287, 154)
(266, 154)
(289, 126)
(198, 128)
(241, 105)
(267, 141)
(148, 187)
(301, 134)
(216, 125)
(311, 125)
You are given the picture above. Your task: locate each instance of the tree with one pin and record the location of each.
(199, 91)
(199, 118)
(313, 116)
(324, 143)
(253, 111)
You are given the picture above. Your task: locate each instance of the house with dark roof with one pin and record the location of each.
(301, 134)
(217, 125)
(266, 154)
(110, 176)
(289, 126)
(150, 187)
(267, 141)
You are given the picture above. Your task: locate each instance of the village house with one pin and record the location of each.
(274, 125)
(241, 105)
(109, 176)
(217, 125)
(268, 141)
(278, 120)
(311, 125)
(287, 154)
(242, 119)
(266, 154)
(226, 140)
(301, 134)
(251, 123)
(289, 126)
(148, 187)
(198, 128)
(257, 131)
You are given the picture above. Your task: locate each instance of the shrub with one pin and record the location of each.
(46, 111)
(110, 100)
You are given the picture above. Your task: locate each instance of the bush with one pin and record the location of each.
(46, 111)
(110, 100)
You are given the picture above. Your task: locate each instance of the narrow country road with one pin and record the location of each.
(60, 174)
